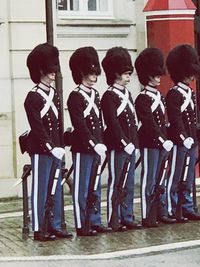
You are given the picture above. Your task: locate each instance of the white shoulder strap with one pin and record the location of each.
(49, 102)
(157, 100)
(125, 101)
(188, 98)
(91, 103)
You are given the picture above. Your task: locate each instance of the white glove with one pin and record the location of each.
(100, 149)
(167, 145)
(188, 142)
(129, 148)
(58, 152)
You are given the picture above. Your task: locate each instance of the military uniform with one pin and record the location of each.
(152, 134)
(181, 107)
(84, 109)
(120, 133)
(87, 128)
(183, 64)
(153, 142)
(44, 145)
(42, 108)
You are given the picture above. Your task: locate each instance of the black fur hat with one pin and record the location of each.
(44, 57)
(84, 61)
(116, 61)
(182, 62)
(149, 63)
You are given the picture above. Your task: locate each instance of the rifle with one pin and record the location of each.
(91, 198)
(158, 190)
(118, 196)
(138, 162)
(181, 189)
(53, 180)
(26, 217)
(66, 177)
(66, 174)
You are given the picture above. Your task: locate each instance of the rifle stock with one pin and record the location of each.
(26, 217)
(151, 220)
(181, 189)
(54, 175)
(118, 196)
(91, 198)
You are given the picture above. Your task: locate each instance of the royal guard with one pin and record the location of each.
(120, 137)
(182, 64)
(86, 141)
(153, 141)
(42, 106)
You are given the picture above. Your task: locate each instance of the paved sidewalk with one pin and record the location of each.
(109, 245)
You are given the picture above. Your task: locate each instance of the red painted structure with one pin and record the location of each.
(169, 23)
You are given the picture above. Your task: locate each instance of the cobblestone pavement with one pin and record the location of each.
(12, 244)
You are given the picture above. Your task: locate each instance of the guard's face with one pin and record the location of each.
(124, 78)
(154, 81)
(90, 79)
(188, 80)
(48, 78)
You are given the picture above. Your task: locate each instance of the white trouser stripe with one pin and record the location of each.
(35, 192)
(76, 193)
(173, 164)
(112, 167)
(144, 183)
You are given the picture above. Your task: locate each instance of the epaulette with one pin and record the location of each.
(34, 89)
(143, 92)
(76, 89)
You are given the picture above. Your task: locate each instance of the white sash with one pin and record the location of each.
(157, 101)
(188, 98)
(125, 101)
(49, 102)
(91, 103)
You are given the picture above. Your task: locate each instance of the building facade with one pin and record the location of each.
(99, 23)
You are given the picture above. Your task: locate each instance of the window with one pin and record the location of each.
(84, 8)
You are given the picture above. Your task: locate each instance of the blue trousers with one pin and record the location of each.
(152, 160)
(177, 169)
(82, 173)
(115, 165)
(41, 168)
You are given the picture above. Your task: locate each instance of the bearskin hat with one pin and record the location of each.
(182, 62)
(44, 57)
(84, 61)
(116, 61)
(149, 63)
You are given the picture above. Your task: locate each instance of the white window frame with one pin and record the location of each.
(83, 13)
